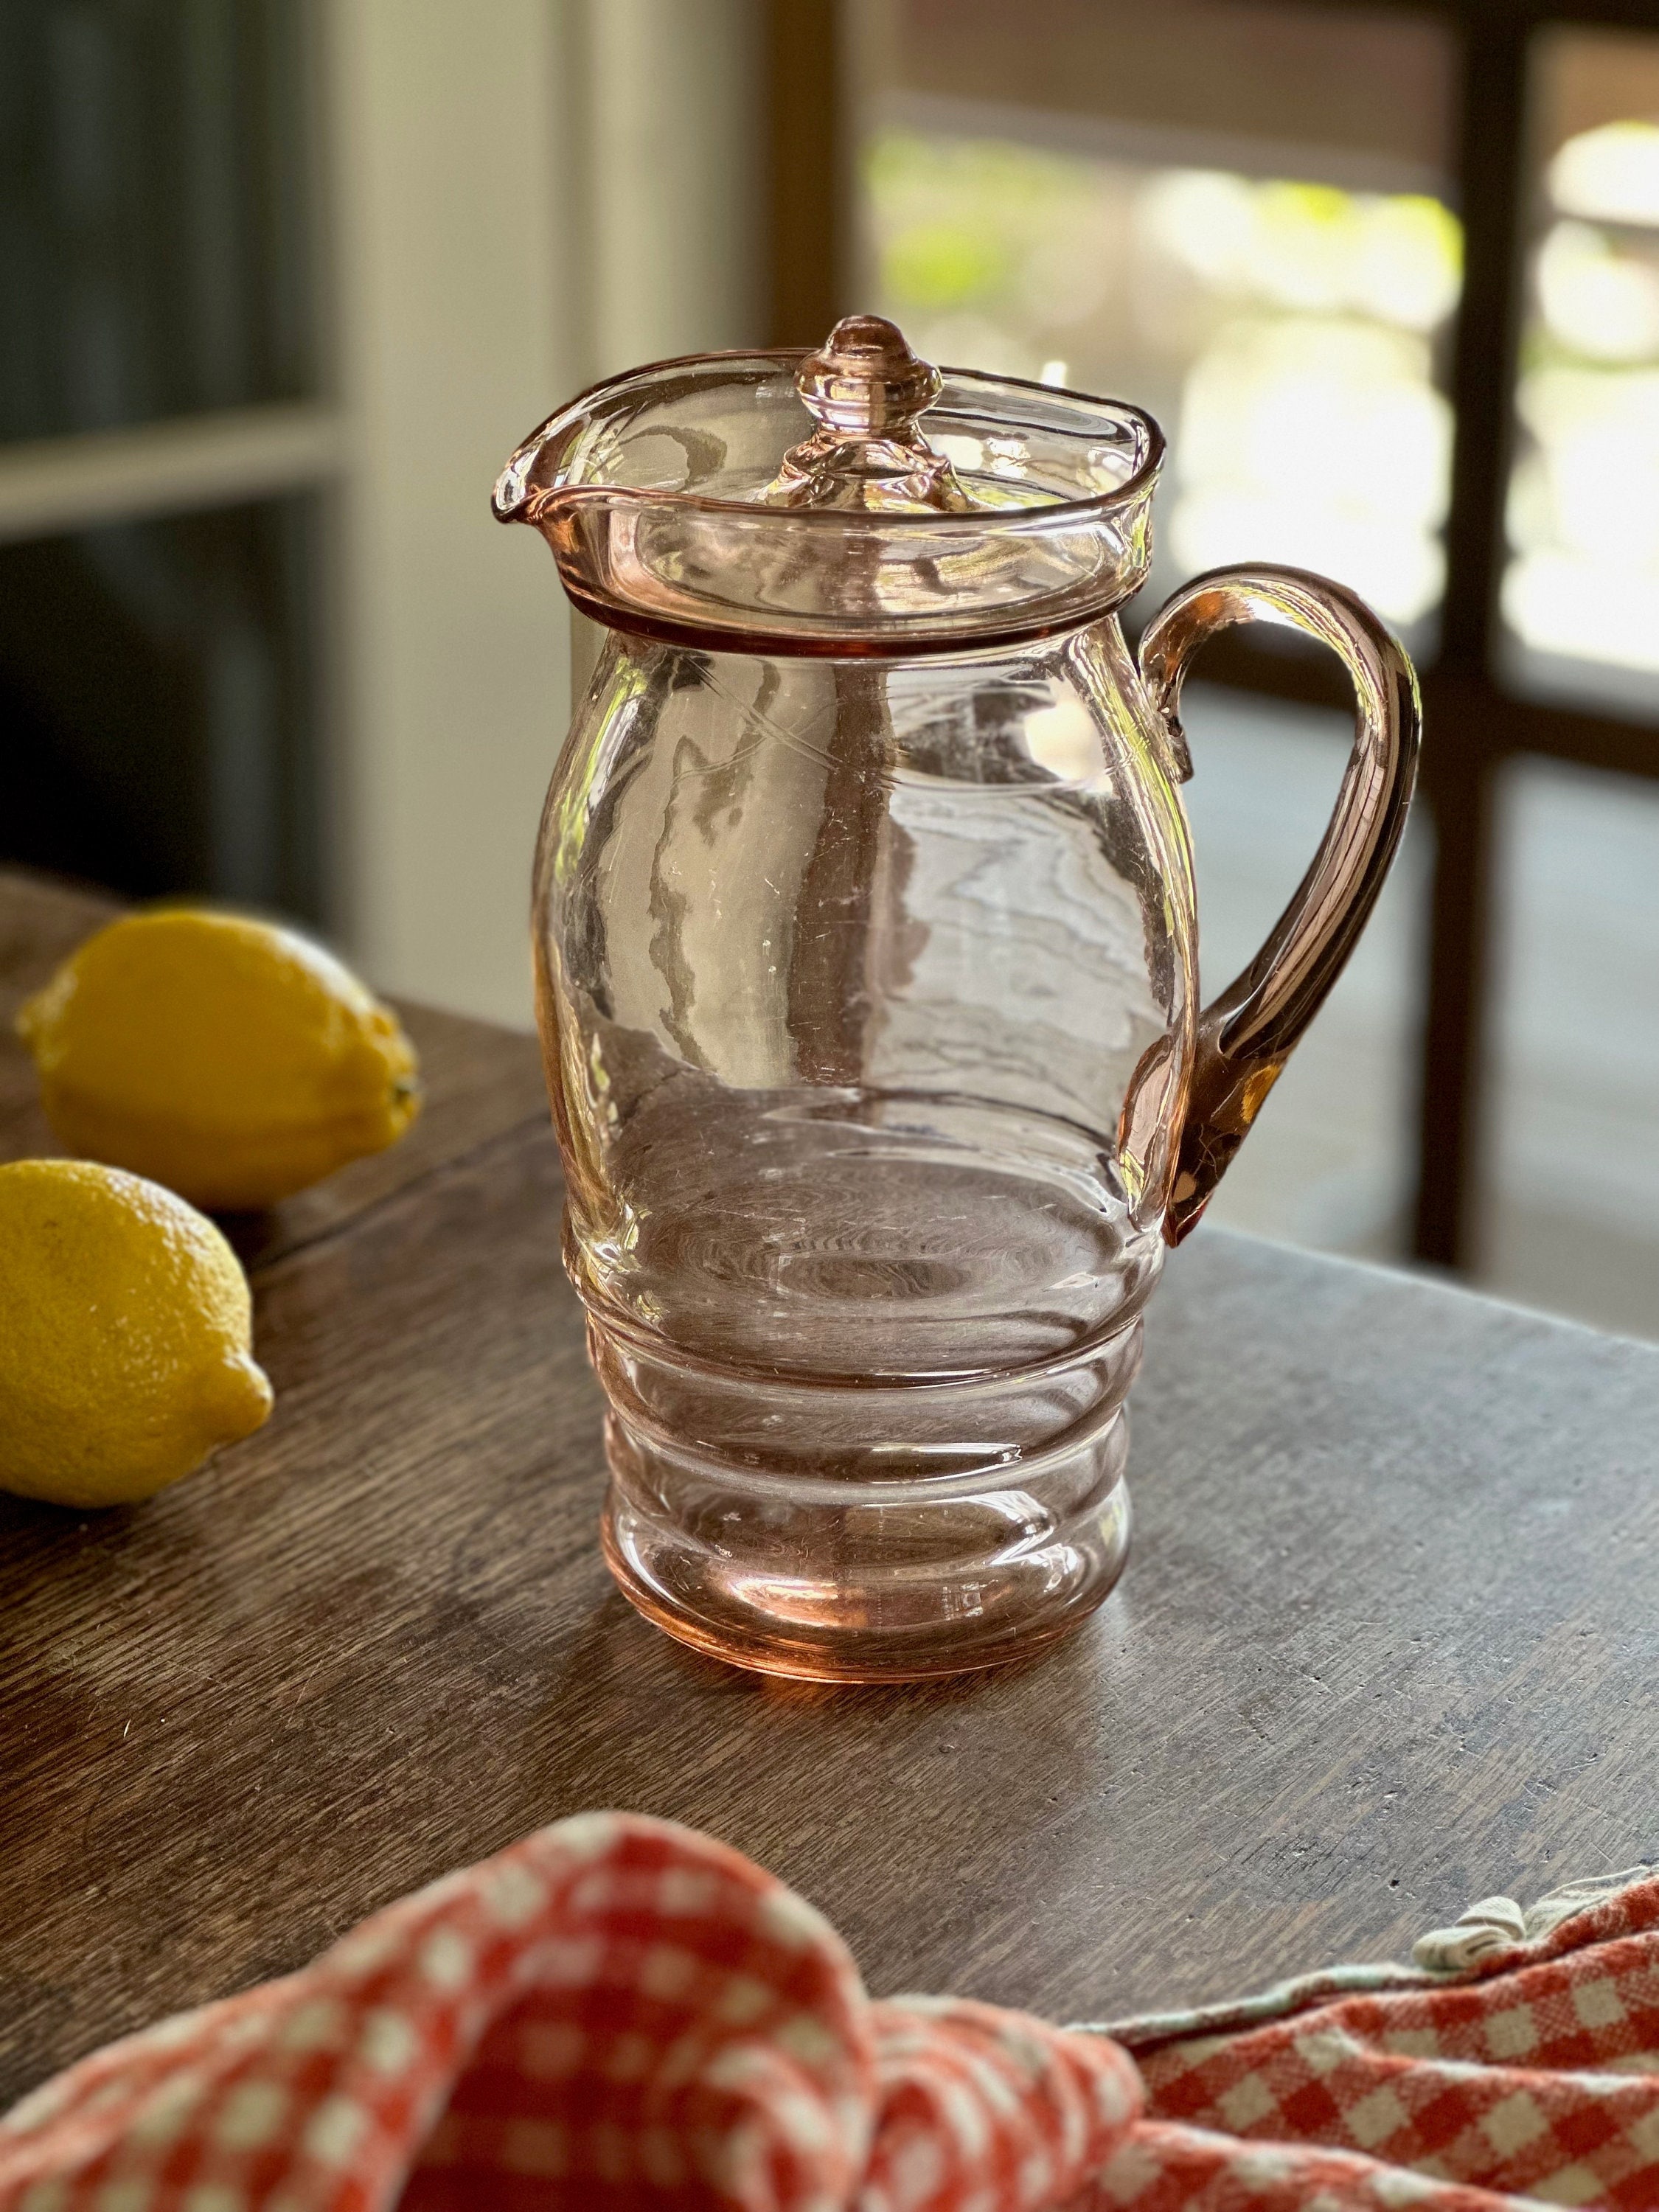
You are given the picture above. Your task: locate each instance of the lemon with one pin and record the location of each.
(231, 1060)
(125, 1331)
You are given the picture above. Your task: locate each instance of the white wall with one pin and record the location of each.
(525, 194)
(676, 179)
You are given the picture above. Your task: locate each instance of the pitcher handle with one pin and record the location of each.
(1246, 1035)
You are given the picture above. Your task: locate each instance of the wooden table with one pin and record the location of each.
(1388, 1641)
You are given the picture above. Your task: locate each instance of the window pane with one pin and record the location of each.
(155, 692)
(1330, 1163)
(1580, 596)
(1234, 215)
(153, 214)
(1572, 1209)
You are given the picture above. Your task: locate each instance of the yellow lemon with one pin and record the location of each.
(125, 1332)
(232, 1061)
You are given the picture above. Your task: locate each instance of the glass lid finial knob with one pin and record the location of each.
(865, 387)
(865, 380)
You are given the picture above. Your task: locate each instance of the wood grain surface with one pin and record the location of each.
(1388, 1641)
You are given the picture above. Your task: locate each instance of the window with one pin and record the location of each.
(159, 666)
(1573, 1208)
(1581, 590)
(1236, 218)
(1285, 330)
(286, 280)
(157, 692)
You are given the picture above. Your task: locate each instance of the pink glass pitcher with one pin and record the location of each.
(866, 973)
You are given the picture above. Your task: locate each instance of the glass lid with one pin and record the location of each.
(855, 500)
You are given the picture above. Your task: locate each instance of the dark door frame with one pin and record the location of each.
(1473, 723)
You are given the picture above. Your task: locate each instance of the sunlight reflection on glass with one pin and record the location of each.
(1064, 740)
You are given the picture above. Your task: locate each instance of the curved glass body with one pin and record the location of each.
(866, 962)
(847, 972)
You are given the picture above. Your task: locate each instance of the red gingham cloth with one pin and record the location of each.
(617, 2011)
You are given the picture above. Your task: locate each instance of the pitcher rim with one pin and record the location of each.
(515, 499)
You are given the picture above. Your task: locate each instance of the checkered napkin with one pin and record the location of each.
(617, 2011)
